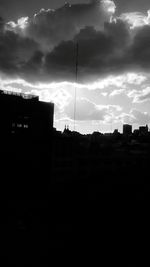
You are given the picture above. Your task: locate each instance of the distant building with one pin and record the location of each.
(116, 132)
(67, 131)
(96, 136)
(136, 132)
(127, 129)
(25, 115)
(143, 130)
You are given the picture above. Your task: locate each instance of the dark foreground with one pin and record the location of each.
(92, 201)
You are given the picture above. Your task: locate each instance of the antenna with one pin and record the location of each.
(76, 79)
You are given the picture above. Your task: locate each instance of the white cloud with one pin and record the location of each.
(89, 111)
(117, 92)
(135, 117)
(85, 110)
(135, 78)
(136, 19)
(132, 93)
(23, 22)
(118, 81)
(108, 6)
(61, 98)
(104, 94)
(140, 117)
(148, 17)
(18, 27)
(126, 118)
(140, 96)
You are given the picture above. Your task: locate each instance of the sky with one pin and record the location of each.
(38, 56)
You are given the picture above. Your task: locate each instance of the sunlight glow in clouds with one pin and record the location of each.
(22, 23)
(108, 6)
(118, 81)
(136, 19)
(112, 80)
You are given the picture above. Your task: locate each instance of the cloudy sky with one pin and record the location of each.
(38, 55)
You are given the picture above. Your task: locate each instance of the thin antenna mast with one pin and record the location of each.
(76, 79)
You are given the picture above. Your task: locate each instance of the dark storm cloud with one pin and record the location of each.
(13, 9)
(99, 52)
(140, 50)
(34, 63)
(50, 27)
(1, 23)
(119, 32)
(43, 48)
(93, 48)
(15, 51)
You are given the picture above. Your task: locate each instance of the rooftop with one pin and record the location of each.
(23, 95)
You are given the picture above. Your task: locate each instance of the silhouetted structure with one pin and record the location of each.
(25, 115)
(136, 132)
(143, 130)
(127, 129)
(55, 179)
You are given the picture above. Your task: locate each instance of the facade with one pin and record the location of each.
(127, 129)
(25, 115)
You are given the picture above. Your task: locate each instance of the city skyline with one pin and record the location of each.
(37, 56)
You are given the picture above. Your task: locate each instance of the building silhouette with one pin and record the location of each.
(143, 130)
(24, 115)
(127, 129)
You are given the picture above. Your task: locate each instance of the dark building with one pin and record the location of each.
(136, 132)
(116, 132)
(25, 115)
(143, 130)
(127, 129)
